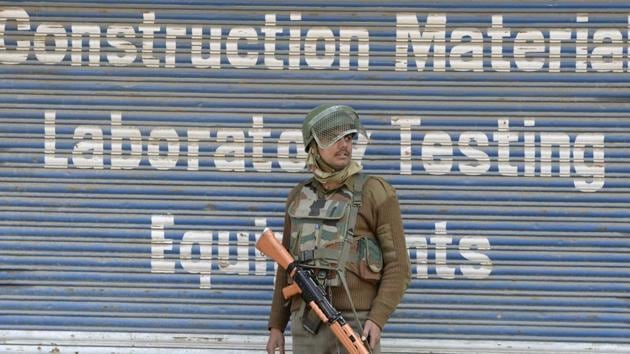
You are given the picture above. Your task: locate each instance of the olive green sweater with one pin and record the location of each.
(379, 215)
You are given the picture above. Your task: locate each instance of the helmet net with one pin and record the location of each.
(333, 127)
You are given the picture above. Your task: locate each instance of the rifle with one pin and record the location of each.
(313, 294)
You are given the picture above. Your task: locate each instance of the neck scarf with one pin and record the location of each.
(325, 174)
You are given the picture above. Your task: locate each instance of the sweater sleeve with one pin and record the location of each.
(280, 311)
(396, 267)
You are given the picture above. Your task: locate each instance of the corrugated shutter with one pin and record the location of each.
(132, 194)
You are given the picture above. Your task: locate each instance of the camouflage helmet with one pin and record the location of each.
(328, 123)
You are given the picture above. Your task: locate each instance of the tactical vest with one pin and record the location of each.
(322, 233)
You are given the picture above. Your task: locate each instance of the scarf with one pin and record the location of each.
(325, 174)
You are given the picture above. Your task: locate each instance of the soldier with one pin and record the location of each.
(346, 227)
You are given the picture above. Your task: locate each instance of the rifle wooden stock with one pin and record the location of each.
(272, 248)
(312, 293)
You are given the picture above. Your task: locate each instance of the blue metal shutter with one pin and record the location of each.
(135, 181)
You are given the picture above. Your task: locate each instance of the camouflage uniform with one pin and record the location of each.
(377, 261)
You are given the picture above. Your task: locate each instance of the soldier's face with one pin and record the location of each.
(339, 154)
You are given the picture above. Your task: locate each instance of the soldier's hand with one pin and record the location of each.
(276, 341)
(371, 332)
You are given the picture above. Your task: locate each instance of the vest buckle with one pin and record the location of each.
(307, 256)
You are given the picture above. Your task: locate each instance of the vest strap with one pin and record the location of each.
(320, 253)
(357, 198)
